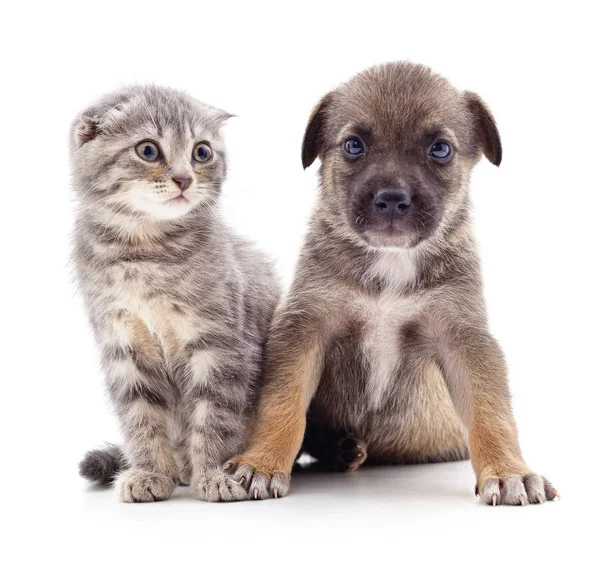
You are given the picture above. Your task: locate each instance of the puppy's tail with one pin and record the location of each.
(102, 466)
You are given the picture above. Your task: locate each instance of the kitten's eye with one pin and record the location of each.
(354, 146)
(440, 150)
(202, 153)
(147, 150)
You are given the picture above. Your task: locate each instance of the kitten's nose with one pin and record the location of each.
(182, 181)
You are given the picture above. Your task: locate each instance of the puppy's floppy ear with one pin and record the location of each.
(486, 128)
(314, 134)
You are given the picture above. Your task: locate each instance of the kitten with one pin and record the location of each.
(179, 305)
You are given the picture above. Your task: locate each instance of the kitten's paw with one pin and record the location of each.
(140, 485)
(516, 490)
(259, 484)
(352, 453)
(216, 485)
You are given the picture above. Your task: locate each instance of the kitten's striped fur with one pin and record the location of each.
(179, 305)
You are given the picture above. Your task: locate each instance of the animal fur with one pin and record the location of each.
(180, 306)
(383, 336)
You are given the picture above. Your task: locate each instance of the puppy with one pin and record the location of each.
(382, 344)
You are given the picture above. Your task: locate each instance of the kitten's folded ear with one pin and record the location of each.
(93, 121)
(85, 128)
(218, 115)
(225, 115)
(314, 135)
(485, 126)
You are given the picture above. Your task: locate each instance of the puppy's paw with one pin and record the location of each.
(352, 453)
(516, 490)
(216, 485)
(136, 485)
(258, 484)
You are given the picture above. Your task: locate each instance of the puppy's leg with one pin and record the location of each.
(476, 373)
(294, 363)
(142, 395)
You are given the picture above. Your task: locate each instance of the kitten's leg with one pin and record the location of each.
(142, 395)
(218, 391)
(180, 433)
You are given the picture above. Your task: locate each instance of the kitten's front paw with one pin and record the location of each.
(516, 490)
(216, 485)
(259, 484)
(140, 485)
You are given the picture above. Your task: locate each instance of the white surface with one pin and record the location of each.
(536, 218)
(410, 518)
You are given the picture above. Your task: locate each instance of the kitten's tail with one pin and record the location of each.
(102, 466)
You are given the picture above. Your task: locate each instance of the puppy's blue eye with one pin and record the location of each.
(147, 150)
(440, 150)
(202, 152)
(354, 146)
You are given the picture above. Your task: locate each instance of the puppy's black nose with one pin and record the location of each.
(182, 181)
(392, 202)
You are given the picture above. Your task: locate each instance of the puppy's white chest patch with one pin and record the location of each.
(397, 268)
(383, 317)
(381, 343)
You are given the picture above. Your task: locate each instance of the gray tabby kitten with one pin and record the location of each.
(179, 305)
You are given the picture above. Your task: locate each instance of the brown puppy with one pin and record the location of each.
(383, 336)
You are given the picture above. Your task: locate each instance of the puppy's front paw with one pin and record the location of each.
(259, 484)
(216, 485)
(136, 485)
(516, 490)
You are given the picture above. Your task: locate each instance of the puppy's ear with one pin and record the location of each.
(315, 132)
(486, 128)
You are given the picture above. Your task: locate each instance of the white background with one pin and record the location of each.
(536, 219)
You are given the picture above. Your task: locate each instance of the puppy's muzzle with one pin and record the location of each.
(392, 203)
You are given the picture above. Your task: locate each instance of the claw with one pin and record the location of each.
(242, 480)
(255, 493)
(275, 492)
(556, 495)
(359, 455)
(227, 466)
(494, 499)
(476, 491)
(522, 500)
(540, 499)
